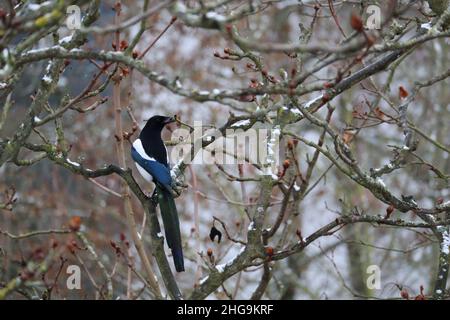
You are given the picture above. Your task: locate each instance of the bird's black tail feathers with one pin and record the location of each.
(171, 223)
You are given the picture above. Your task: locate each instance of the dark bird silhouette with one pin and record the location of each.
(150, 156)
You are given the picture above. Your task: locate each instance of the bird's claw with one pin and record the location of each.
(177, 189)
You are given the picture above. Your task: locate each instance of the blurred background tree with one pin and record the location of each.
(363, 177)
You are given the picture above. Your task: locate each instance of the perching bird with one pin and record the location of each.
(150, 156)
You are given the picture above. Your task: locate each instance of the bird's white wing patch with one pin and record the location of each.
(137, 144)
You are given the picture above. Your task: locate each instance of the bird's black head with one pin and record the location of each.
(157, 123)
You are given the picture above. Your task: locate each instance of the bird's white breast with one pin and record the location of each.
(144, 173)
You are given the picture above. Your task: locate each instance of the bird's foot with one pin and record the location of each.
(154, 199)
(177, 189)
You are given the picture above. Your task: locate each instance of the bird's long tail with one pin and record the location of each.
(171, 223)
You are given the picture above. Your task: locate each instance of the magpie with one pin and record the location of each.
(150, 156)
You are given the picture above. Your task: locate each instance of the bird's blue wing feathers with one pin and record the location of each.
(157, 170)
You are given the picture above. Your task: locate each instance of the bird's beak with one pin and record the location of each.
(169, 120)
